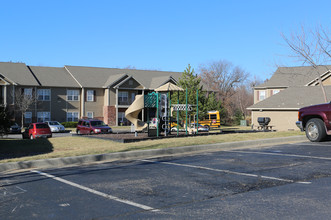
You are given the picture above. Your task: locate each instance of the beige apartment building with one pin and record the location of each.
(288, 90)
(72, 92)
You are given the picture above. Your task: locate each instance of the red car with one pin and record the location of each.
(92, 126)
(37, 130)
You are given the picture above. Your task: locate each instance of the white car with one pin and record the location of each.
(55, 126)
(200, 127)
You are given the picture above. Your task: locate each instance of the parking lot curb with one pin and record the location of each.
(138, 154)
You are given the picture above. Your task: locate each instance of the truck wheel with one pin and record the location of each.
(315, 130)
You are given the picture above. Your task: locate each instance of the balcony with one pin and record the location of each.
(126, 102)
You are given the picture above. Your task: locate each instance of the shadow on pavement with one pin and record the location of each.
(22, 148)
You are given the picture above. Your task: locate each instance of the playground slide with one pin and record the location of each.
(133, 111)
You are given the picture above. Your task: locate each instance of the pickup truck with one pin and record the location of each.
(315, 120)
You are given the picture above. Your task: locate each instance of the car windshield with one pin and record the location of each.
(41, 126)
(98, 123)
(53, 123)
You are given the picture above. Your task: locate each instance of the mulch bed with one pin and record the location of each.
(128, 137)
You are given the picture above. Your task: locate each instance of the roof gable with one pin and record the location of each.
(126, 84)
(324, 77)
(294, 76)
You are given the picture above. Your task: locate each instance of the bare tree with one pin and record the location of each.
(23, 102)
(312, 48)
(243, 98)
(223, 78)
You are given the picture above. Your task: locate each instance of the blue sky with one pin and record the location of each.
(161, 35)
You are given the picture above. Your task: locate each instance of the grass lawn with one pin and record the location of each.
(12, 150)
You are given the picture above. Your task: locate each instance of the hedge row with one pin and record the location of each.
(70, 124)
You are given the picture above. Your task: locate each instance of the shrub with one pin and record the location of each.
(4, 120)
(70, 124)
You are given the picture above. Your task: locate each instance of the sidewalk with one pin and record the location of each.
(139, 154)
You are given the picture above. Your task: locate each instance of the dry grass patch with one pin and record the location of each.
(75, 146)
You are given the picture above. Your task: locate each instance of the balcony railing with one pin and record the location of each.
(127, 102)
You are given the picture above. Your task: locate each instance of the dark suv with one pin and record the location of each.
(92, 126)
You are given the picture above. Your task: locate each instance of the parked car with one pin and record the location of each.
(55, 126)
(37, 130)
(200, 127)
(15, 128)
(315, 120)
(92, 126)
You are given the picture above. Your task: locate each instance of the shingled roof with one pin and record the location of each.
(53, 76)
(17, 73)
(293, 98)
(97, 77)
(293, 76)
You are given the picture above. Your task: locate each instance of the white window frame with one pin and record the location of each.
(43, 116)
(121, 117)
(275, 91)
(123, 96)
(72, 116)
(42, 94)
(90, 114)
(73, 95)
(28, 117)
(262, 95)
(90, 95)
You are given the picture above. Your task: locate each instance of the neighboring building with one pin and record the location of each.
(288, 90)
(72, 92)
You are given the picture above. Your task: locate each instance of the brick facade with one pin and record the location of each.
(109, 115)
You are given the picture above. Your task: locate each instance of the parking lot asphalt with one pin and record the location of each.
(283, 181)
(79, 160)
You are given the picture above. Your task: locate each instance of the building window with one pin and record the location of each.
(72, 95)
(90, 95)
(261, 95)
(28, 117)
(43, 116)
(121, 119)
(72, 116)
(28, 92)
(89, 114)
(44, 94)
(133, 97)
(130, 82)
(275, 91)
(123, 98)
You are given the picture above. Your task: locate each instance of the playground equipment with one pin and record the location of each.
(134, 110)
(160, 102)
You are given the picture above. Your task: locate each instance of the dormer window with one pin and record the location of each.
(261, 95)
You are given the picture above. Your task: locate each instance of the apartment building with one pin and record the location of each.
(72, 92)
(288, 90)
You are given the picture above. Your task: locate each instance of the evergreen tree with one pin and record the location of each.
(190, 81)
(4, 121)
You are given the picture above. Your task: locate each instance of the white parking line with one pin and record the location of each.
(228, 171)
(279, 154)
(96, 192)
